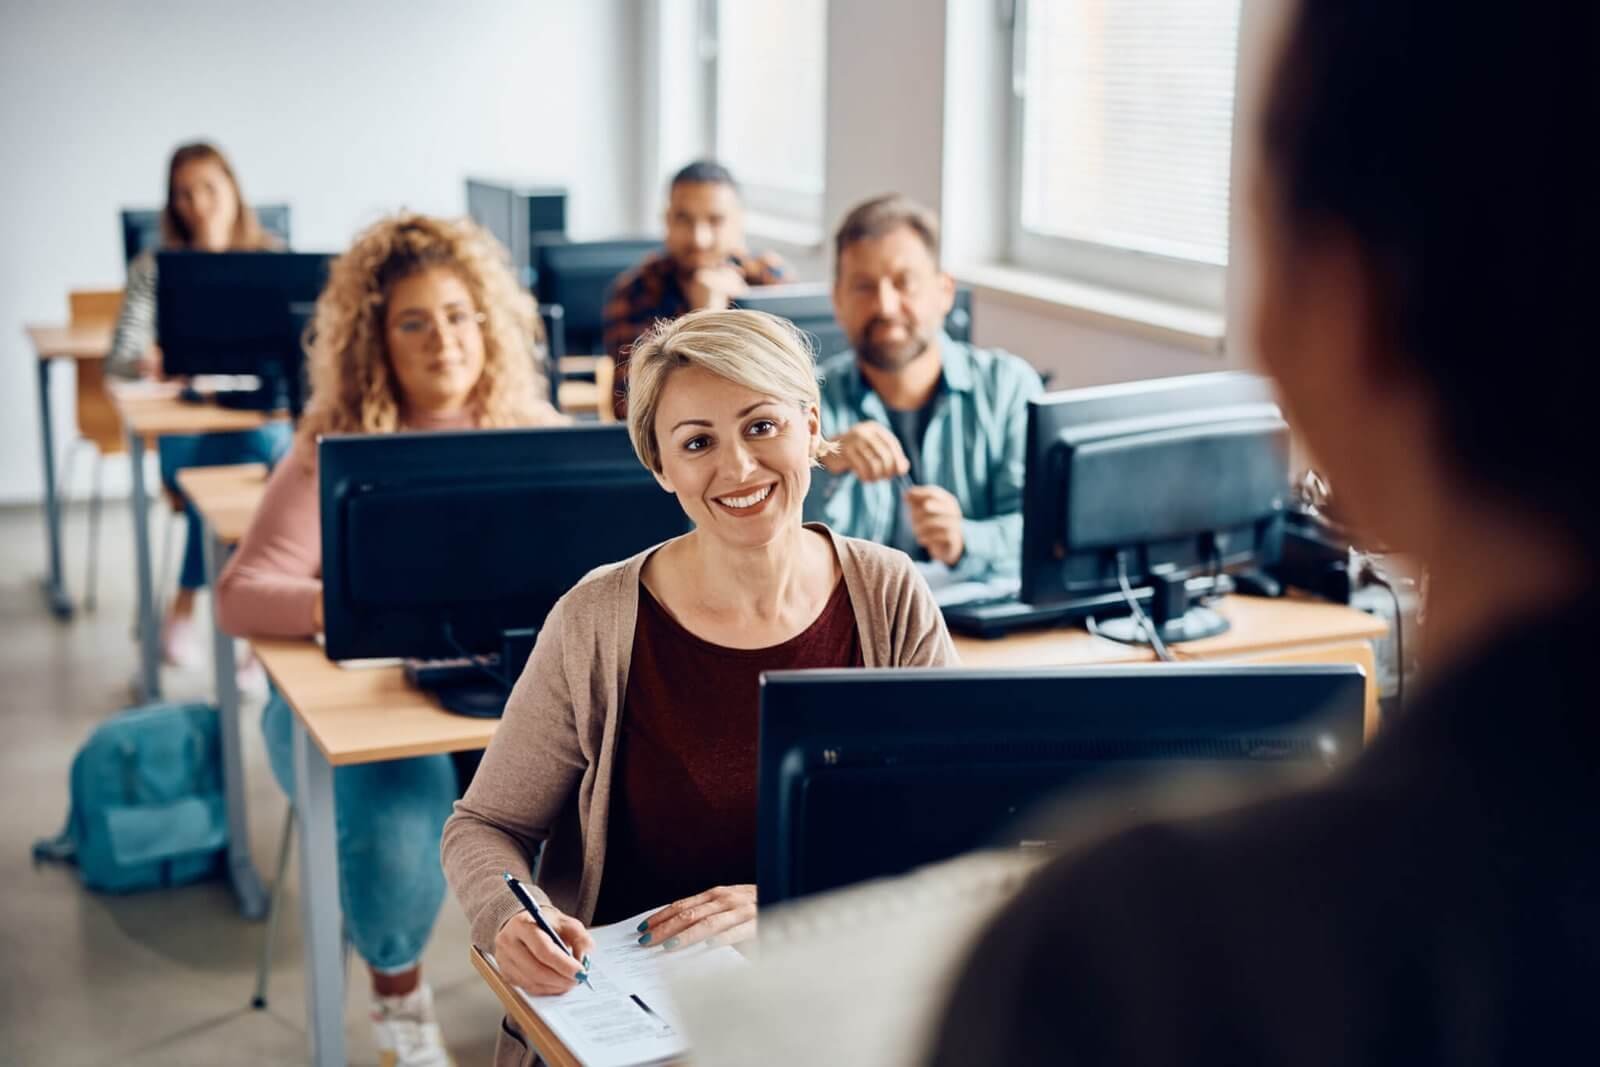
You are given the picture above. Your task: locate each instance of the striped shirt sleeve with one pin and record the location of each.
(136, 323)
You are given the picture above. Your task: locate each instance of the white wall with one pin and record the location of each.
(909, 114)
(345, 110)
(885, 113)
(1078, 354)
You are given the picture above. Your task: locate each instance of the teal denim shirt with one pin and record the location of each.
(974, 448)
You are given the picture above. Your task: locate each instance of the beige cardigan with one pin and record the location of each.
(558, 739)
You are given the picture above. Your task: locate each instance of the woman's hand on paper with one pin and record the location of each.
(723, 916)
(531, 960)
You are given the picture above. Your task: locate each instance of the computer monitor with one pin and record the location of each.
(1147, 485)
(437, 544)
(521, 215)
(554, 318)
(863, 774)
(239, 313)
(141, 227)
(810, 307)
(577, 275)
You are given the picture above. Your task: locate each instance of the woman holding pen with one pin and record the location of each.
(628, 749)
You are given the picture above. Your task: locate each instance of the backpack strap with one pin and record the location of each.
(62, 848)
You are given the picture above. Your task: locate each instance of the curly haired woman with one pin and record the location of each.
(421, 327)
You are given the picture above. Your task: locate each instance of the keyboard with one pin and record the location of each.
(451, 671)
(996, 618)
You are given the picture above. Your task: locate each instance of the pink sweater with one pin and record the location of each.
(273, 581)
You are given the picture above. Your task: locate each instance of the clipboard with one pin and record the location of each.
(550, 1047)
(540, 1036)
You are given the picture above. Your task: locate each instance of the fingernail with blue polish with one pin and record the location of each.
(580, 976)
(671, 942)
(644, 926)
(586, 963)
(645, 940)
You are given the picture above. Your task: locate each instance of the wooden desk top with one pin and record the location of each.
(1260, 625)
(226, 497)
(70, 342)
(367, 714)
(154, 410)
(361, 715)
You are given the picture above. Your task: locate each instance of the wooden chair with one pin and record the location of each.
(99, 426)
(98, 423)
(584, 386)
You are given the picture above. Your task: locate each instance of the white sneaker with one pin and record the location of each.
(181, 641)
(406, 1033)
(250, 675)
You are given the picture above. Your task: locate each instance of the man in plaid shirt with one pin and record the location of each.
(705, 264)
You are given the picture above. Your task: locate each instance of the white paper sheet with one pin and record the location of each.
(627, 1019)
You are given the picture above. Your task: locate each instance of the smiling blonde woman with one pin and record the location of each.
(634, 724)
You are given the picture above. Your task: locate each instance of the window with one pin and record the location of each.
(767, 110)
(1122, 131)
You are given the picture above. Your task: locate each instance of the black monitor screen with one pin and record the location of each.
(434, 544)
(238, 313)
(521, 216)
(493, 207)
(1178, 475)
(865, 774)
(810, 307)
(578, 275)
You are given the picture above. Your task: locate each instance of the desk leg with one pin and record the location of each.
(149, 627)
(241, 868)
(319, 900)
(55, 584)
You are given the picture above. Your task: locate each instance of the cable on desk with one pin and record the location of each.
(1149, 628)
(477, 661)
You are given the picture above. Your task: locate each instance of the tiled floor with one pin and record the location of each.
(155, 978)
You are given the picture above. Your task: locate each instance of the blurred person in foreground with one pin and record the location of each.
(1424, 219)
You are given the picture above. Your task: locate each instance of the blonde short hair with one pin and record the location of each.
(750, 348)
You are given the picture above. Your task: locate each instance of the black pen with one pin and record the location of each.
(532, 907)
(649, 1010)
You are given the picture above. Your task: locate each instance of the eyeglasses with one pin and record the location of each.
(459, 323)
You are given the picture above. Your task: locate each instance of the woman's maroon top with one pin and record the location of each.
(683, 809)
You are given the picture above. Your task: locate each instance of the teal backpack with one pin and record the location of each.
(147, 805)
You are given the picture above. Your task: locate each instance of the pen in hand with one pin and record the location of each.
(532, 908)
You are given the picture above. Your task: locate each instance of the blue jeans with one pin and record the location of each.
(262, 445)
(388, 819)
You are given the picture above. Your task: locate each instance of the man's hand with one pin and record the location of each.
(936, 522)
(870, 451)
(712, 288)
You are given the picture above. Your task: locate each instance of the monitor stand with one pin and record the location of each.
(470, 687)
(1169, 610)
(484, 700)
